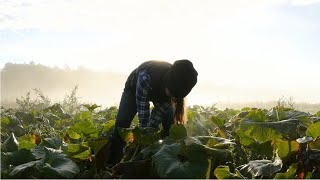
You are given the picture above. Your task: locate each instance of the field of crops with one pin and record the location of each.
(249, 143)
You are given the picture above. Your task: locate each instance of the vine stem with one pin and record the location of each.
(135, 152)
(209, 169)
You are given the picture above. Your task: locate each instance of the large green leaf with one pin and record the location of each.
(149, 136)
(313, 130)
(315, 144)
(12, 124)
(97, 145)
(194, 146)
(246, 109)
(265, 168)
(293, 114)
(177, 131)
(290, 174)
(58, 110)
(149, 151)
(73, 135)
(53, 119)
(281, 113)
(276, 114)
(22, 156)
(169, 163)
(266, 131)
(259, 133)
(223, 172)
(84, 116)
(6, 161)
(78, 151)
(5, 120)
(246, 140)
(27, 141)
(107, 127)
(10, 144)
(85, 128)
(26, 118)
(55, 164)
(303, 117)
(91, 108)
(285, 148)
(23, 169)
(215, 142)
(145, 135)
(257, 115)
(227, 113)
(83, 155)
(218, 121)
(11, 159)
(54, 143)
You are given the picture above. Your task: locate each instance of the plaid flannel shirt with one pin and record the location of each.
(143, 88)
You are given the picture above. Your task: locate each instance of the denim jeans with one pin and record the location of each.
(126, 112)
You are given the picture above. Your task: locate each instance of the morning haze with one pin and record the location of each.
(105, 88)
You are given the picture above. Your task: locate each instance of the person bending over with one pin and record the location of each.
(165, 85)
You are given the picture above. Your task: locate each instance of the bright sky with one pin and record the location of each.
(243, 43)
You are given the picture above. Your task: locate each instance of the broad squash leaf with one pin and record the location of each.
(23, 169)
(5, 120)
(169, 163)
(218, 121)
(215, 142)
(107, 127)
(313, 130)
(284, 148)
(257, 115)
(91, 108)
(25, 117)
(194, 146)
(223, 172)
(290, 174)
(55, 164)
(10, 144)
(85, 128)
(266, 131)
(97, 145)
(16, 158)
(177, 131)
(315, 144)
(54, 143)
(78, 151)
(27, 141)
(58, 110)
(265, 168)
(73, 135)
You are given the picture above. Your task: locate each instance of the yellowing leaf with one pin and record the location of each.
(131, 138)
(284, 148)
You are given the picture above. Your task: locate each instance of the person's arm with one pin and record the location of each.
(143, 106)
(158, 114)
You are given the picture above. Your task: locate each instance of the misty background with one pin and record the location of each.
(105, 88)
(247, 52)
